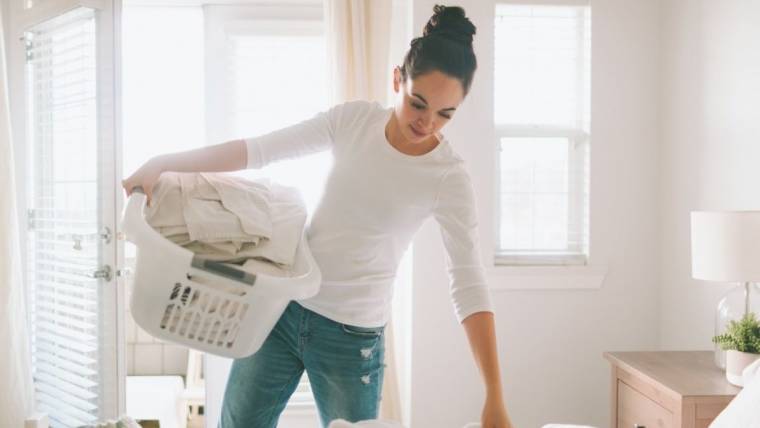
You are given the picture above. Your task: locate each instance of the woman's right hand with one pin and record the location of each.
(146, 177)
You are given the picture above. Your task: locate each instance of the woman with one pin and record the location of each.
(392, 170)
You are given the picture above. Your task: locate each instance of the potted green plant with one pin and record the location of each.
(742, 343)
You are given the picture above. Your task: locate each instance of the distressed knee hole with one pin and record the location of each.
(366, 353)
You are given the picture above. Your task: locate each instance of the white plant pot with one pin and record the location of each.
(736, 361)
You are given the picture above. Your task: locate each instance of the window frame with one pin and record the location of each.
(578, 163)
(243, 20)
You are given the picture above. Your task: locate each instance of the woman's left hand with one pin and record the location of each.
(495, 414)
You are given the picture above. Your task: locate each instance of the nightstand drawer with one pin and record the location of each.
(634, 408)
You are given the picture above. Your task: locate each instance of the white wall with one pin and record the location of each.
(551, 342)
(710, 138)
(675, 98)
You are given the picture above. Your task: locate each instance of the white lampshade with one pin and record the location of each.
(725, 246)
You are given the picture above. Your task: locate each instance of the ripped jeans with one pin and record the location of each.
(344, 364)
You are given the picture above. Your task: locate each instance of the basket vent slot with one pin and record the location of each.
(199, 313)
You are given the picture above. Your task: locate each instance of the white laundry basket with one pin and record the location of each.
(182, 298)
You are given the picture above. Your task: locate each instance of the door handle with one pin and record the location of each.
(104, 234)
(102, 273)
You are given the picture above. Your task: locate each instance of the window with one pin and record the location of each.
(218, 76)
(542, 116)
(256, 84)
(70, 311)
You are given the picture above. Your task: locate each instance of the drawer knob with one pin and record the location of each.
(638, 426)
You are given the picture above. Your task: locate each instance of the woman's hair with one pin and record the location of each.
(445, 46)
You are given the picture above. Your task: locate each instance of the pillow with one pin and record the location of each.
(742, 410)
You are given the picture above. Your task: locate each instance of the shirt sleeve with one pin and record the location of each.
(321, 132)
(306, 137)
(456, 214)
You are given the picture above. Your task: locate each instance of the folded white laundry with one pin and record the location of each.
(220, 208)
(190, 207)
(288, 214)
(230, 219)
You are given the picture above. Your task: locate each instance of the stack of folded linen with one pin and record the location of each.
(255, 225)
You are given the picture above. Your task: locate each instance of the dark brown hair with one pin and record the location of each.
(445, 46)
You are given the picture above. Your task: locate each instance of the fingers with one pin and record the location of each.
(130, 187)
(127, 187)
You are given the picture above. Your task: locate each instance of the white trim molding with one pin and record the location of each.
(546, 277)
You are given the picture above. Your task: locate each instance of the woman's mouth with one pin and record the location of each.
(417, 133)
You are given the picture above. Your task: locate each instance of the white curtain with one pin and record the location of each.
(358, 37)
(359, 48)
(16, 387)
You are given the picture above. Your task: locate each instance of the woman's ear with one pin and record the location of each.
(396, 79)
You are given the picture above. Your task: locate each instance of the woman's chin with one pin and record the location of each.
(414, 138)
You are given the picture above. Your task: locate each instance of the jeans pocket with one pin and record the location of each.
(362, 331)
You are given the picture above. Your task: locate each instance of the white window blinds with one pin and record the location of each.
(542, 116)
(63, 234)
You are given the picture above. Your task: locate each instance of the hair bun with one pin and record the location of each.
(450, 22)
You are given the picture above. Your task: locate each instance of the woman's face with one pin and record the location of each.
(425, 104)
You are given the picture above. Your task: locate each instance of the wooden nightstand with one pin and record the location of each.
(669, 389)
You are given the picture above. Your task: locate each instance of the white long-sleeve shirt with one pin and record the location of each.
(374, 201)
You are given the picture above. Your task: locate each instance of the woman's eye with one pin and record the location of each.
(422, 107)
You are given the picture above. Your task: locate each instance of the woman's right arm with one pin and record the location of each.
(229, 156)
(306, 137)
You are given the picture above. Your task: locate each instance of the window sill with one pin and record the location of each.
(546, 277)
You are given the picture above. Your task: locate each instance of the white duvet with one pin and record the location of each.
(742, 412)
(744, 409)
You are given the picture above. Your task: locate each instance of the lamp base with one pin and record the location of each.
(737, 302)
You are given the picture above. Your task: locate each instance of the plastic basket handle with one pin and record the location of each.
(223, 270)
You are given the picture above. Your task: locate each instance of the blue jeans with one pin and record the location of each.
(344, 364)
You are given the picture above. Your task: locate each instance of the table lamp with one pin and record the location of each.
(725, 247)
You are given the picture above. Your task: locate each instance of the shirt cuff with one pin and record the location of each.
(470, 300)
(253, 151)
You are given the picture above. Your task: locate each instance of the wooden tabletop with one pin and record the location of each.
(687, 373)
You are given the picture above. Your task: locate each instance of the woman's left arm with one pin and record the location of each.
(481, 333)
(455, 210)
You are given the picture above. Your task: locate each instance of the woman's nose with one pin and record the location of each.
(426, 121)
